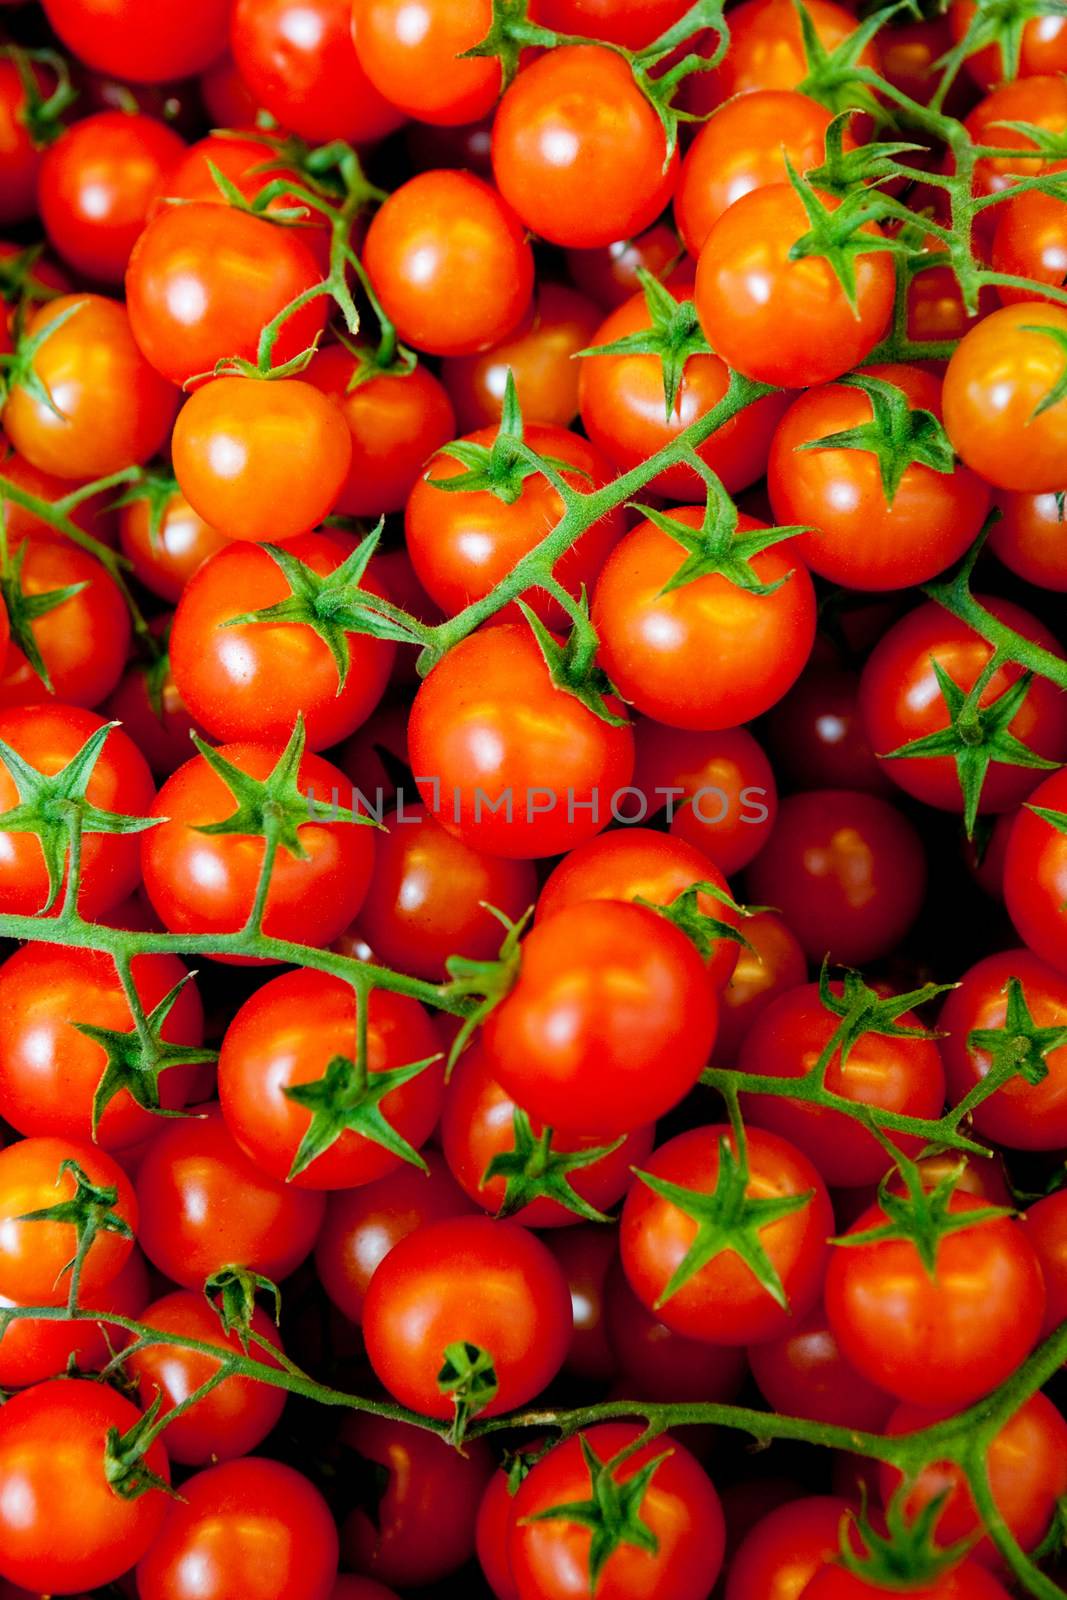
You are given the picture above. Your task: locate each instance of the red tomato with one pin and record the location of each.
(610, 1022)
(411, 55)
(720, 791)
(623, 409)
(572, 125)
(657, 1362)
(966, 1582)
(609, 274)
(1040, 100)
(780, 320)
(1046, 1228)
(1029, 538)
(845, 869)
(767, 50)
(463, 543)
(421, 1527)
(723, 1301)
(83, 641)
(97, 185)
(214, 1538)
(550, 1556)
(633, 23)
(1031, 242)
(506, 761)
(49, 737)
(148, 41)
(20, 159)
(157, 722)
(942, 1338)
(817, 737)
(1042, 46)
(585, 1254)
(93, 514)
(111, 410)
(803, 1374)
(450, 263)
(1035, 873)
(205, 1206)
(540, 359)
(785, 1549)
(473, 1281)
(772, 963)
(165, 560)
(78, 1540)
(33, 1349)
(35, 1257)
(996, 384)
(206, 883)
(708, 654)
(362, 1226)
(299, 60)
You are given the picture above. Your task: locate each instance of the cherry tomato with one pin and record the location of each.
(996, 385)
(1031, 242)
(720, 791)
(804, 1374)
(411, 54)
(609, 274)
(817, 737)
(767, 48)
(148, 41)
(1046, 1227)
(164, 559)
(83, 641)
(1042, 46)
(966, 1582)
(769, 964)
(154, 715)
(783, 1551)
(633, 23)
(540, 359)
(1029, 538)
(93, 514)
(1040, 100)
(35, 1348)
(1035, 873)
(35, 1257)
(20, 159)
(657, 1362)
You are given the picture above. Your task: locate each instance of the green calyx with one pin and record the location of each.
(348, 1099)
(19, 287)
(231, 1293)
(898, 435)
(55, 807)
(19, 369)
(501, 469)
(612, 1512)
(137, 1059)
(872, 163)
(40, 113)
(1018, 1048)
(998, 23)
(156, 486)
(90, 1211)
(976, 735)
(469, 1377)
(572, 665)
(274, 807)
(532, 1170)
(674, 334)
(863, 1010)
(907, 1555)
(836, 78)
(334, 605)
(728, 1218)
(126, 1470)
(510, 33)
(1058, 391)
(484, 983)
(24, 610)
(840, 234)
(698, 925)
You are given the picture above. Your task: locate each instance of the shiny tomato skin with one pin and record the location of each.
(492, 1529)
(147, 41)
(550, 1558)
(112, 411)
(967, 1582)
(623, 409)
(724, 1302)
(783, 1551)
(213, 1541)
(97, 184)
(1030, 242)
(540, 358)
(781, 321)
(463, 543)
(362, 1225)
(65, 1542)
(34, 1256)
(574, 124)
(845, 869)
(93, 514)
(719, 788)
(1042, 46)
(609, 275)
(488, 723)
(937, 1340)
(286, 1034)
(422, 1528)
(83, 642)
(205, 1206)
(1035, 874)
(767, 48)
(772, 963)
(998, 377)
(1046, 1227)
(395, 420)
(707, 655)
(49, 736)
(49, 1071)
(34, 1349)
(251, 680)
(469, 1279)
(610, 1022)
(658, 1363)
(205, 279)
(1029, 538)
(803, 1374)
(450, 262)
(816, 734)
(1040, 100)
(633, 23)
(204, 883)
(165, 561)
(893, 1074)
(411, 55)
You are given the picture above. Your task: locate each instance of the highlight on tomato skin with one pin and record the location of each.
(533, 800)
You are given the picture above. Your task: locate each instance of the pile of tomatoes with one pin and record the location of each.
(533, 804)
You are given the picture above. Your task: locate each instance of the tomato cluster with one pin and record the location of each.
(533, 799)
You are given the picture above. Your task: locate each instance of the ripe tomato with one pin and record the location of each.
(50, 1071)
(609, 274)
(396, 420)
(450, 263)
(165, 560)
(213, 1539)
(49, 737)
(154, 715)
(97, 185)
(93, 514)
(35, 1256)
(20, 159)
(540, 359)
(780, 320)
(817, 737)
(468, 1280)
(1046, 1228)
(770, 963)
(299, 61)
(1029, 538)
(237, 1415)
(781, 1553)
(1031, 242)
(744, 146)
(997, 383)
(610, 1022)
(966, 1582)
(719, 788)
(287, 1034)
(633, 23)
(70, 1541)
(1042, 46)
(506, 761)
(148, 41)
(1035, 874)
(206, 883)
(586, 1253)
(35, 1348)
(362, 1226)
(944, 1337)
(803, 1374)
(893, 1074)
(767, 49)
(551, 1556)
(623, 409)
(660, 1364)
(724, 1301)
(845, 869)
(251, 680)
(205, 1206)
(83, 642)
(572, 125)
(1040, 100)
(421, 1526)
(112, 411)
(708, 654)
(411, 54)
